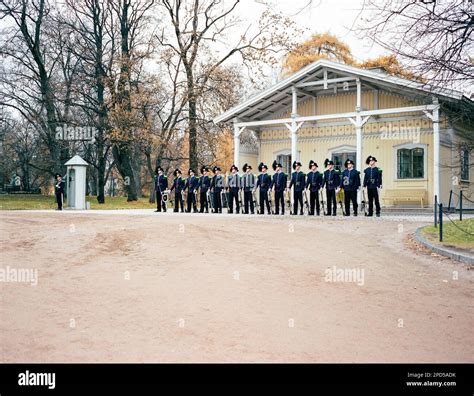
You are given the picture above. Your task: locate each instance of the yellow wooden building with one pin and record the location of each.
(336, 111)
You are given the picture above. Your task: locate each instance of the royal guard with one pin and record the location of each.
(233, 184)
(178, 187)
(161, 185)
(314, 182)
(59, 191)
(192, 184)
(264, 182)
(217, 184)
(204, 186)
(373, 181)
(298, 183)
(350, 182)
(279, 181)
(331, 181)
(248, 185)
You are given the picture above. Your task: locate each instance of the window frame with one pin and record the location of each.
(410, 146)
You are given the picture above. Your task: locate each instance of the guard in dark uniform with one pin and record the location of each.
(178, 187)
(192, 184)
(314, 182)
(350, 182)
(298, 183)
(59, 191)
(373, 181)
(331, 181)
(248, 185)
(264, 182)
(217, 184)
(204, 186)
(279, 181)
(233, 183)
(161, 185)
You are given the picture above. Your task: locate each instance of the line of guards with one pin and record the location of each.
(220, 191)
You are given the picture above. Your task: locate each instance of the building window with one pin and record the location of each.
(339, 159)
(410, 163)
(285, 160)
(464, 164)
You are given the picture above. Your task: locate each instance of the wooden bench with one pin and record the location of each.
(410, 195)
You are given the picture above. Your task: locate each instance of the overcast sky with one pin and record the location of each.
(335, 16)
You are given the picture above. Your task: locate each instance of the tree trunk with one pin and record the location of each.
(101, 179)
(192, 122)
(152, 174)
(125, 167)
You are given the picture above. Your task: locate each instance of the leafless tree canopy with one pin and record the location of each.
(434, 38)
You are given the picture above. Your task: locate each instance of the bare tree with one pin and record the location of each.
(27, 87)
(434, 38)
(131, 17)
(198, 24)
(92, 21)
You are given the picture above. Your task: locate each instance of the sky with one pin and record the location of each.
(334, 16)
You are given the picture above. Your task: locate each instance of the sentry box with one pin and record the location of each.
(76, 183)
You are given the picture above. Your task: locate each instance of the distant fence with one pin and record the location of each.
(441, 211)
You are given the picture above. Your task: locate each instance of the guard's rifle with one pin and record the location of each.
(256, 204)
(270, 201)
(364, 202)
(209, 199)
(240, 200)
(322, 200)
(182, 199)
(195, 198)
(288, 198)
(306, 202)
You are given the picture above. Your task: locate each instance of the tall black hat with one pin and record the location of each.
(348, 161)
(327, 162)
(370, 158)
(261, 166)
(216, 168)
(234, 167)
(246, 167)
(175, 173)
(158, 168)
(295, 164)
(190, 170)
(276, 165)
(56, 175)
(311, 163)
(204, 169)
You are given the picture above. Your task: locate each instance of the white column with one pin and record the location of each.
(436, 156)
(294, 128)
(358, 128)
(237, 131)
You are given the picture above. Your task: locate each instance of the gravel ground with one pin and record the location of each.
(137, 286)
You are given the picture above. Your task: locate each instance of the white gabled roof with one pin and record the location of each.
(278, 97)
(76, 161)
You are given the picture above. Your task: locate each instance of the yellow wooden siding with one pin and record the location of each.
(384, 149)
(345, 103)
(251, 159)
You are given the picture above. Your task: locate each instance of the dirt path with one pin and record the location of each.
(184, 288)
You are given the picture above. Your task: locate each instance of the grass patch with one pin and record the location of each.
(30, 201)
(452, 235)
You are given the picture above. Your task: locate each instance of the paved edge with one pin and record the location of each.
(443, 251)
